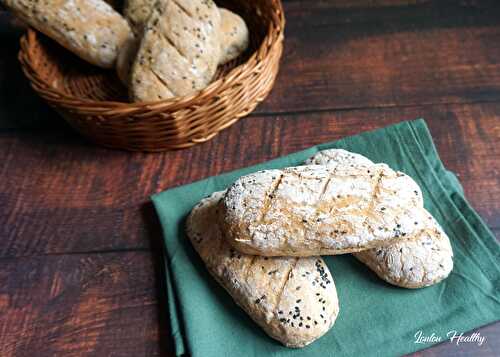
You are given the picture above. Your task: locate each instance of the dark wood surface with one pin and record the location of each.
(80, 244)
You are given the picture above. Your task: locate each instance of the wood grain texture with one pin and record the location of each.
(107, 305)
(74, 305)
(80, 262)
(358, 54)
(77, 197)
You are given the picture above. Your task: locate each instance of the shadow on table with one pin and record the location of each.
(20, 107)
(156, 243)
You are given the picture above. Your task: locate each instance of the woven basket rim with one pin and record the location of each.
(273, 37)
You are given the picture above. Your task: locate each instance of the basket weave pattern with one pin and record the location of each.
(94, 101)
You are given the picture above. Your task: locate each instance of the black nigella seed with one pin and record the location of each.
(282, 320)
(441, 265)
(411, 269)
(280, 312)
(301, 318)
(401, 250)
(307, 326)
(323, 308)
(299, 300)
(257, 301)
(292, 324)
(416, 222)
(298, 288)
(382, 208)
(398, 225)
(300, 324)
(315, 322)
(317, 294)
(321, 316)
(308, 317)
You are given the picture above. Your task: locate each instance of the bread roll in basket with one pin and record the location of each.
(95, 103)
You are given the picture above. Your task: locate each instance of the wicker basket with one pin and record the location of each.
(94, 102)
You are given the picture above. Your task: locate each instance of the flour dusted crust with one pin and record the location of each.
(293, 299)
(317, 209)
(89, 28)
(234, 36)
(425, 260)
(179, 51)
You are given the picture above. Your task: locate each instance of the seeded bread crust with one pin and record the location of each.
(423, 261)
(91, 29)
(320, 210)
(137, 13)
(233, 33)
(293, 299)
(234, 36)
(179, 50)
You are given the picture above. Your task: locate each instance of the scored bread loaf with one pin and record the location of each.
(318, 210)
(293, 299)
(233, 34)
(425, 260)
(89, 28)
(179, 51)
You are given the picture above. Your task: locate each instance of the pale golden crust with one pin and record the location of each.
(137, 13)
(89, 28)
(293, 299)
(233, 33)
(424, 260)
(316, 210)
(179, 50)
(234, 36)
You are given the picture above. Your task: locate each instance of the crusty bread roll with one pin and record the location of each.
(425, 260)
(234, 36)
(293, 299)
(89, 28)
(318, 210)
(179, 51)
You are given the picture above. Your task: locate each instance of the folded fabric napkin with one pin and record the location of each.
(375, 318)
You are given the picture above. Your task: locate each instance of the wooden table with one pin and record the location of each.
(80, 244)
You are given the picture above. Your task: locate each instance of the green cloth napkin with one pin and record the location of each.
(376, 319)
